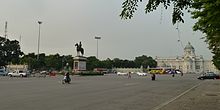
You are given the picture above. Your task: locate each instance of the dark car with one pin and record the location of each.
(209, 75)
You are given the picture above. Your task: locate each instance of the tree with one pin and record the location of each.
(47, 62)
(92, 62)
(145, 61)
(29, 59)
(208, 15)
(117, 63)
(106, 63)
(67, 62)
(205, 11)
(9, 51)
(127, 64)
(130, 6)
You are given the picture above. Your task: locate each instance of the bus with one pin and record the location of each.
(163, 71)
(156, 70)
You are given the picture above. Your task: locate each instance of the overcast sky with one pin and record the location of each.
(66, 22)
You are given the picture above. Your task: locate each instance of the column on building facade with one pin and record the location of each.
(188, 65)
(193, 65)
(202, 65)
(199, 65)
(185, 70)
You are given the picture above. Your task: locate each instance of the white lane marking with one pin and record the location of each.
(171, 100)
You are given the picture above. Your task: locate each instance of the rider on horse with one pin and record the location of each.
(79, 49)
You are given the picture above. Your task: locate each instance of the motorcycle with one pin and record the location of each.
(66, 80)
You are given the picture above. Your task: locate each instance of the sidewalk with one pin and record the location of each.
(204, 97)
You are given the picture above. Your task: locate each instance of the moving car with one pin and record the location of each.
(141, 74)
(209, 75)
(119, 73)
(18, 73)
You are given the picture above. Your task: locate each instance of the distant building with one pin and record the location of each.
(188, 63)
(17, 67)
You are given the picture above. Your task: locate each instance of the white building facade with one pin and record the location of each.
(188, 63)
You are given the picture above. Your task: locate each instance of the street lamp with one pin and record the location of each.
(97, 38)
(38, 49)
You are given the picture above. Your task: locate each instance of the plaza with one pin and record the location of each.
(108, 92)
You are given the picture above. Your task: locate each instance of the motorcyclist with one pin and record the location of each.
(67, 78)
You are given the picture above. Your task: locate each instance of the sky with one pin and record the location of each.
(66, 22)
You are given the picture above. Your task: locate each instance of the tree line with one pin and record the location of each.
(12, 54)
(63, 62)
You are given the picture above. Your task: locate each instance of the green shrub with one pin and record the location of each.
(90, 73)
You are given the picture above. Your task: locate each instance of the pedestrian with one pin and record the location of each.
(172, 72)
(153, 77)
(129, 75)
(181, 73)
(173, 75)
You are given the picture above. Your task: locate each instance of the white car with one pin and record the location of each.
(18, 73)
(141, 74)
(119, 73)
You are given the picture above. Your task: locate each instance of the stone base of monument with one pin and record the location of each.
(79, 64)
(79, 67)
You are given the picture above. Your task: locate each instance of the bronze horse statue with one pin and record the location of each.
(79, 49)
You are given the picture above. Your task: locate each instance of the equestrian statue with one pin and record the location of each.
(79, 49)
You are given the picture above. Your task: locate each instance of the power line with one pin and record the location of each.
(161, 14)
(179, 39)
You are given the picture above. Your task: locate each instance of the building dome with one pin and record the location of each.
(189, 47)
(189, 51)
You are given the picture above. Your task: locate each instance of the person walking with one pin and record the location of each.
(173, 72)
(153, 77)
(129, 75)
(181, 73)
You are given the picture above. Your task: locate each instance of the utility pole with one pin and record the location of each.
(6, 26)
(38, 49)
(97, 38)
(20, 41)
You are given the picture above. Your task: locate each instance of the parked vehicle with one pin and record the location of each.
(18, 73)
(3, 72)
(209, 75)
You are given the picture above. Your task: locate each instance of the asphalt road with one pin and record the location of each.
(109, 92)
(206, 96)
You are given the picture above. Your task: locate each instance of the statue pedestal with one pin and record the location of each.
(79, 64)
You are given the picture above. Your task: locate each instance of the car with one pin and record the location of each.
(120, 73)
(141, 74)
(209, 75)
(178, 71)
(3, 72)
(18, 73)
(40, 74)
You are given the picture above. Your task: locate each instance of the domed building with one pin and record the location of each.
(188, 63)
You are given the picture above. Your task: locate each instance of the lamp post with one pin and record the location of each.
(97, 38)
(38, 49)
